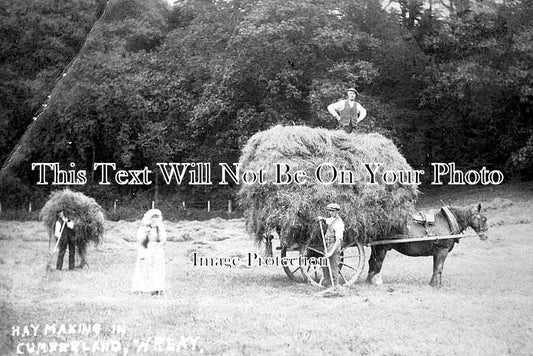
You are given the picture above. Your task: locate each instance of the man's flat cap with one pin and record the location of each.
(333, 207)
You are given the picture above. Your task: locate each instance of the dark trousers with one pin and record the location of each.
(334, 262)
(348, 128)
(67, 239)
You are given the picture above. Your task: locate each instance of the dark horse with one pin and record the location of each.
(465, 217)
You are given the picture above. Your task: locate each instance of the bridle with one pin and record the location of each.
(479, 219)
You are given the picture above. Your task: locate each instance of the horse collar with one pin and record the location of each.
(453, 222)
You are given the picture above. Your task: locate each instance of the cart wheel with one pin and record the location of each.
(352, 262)
(292, 272)
(350, 267)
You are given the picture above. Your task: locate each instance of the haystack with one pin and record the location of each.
(78, 207)
(369, 211)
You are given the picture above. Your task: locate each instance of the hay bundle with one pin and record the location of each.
(78, 207)
(369, 211)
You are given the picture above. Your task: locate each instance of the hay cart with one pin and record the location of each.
(336, 169)
(351, 266)
(352, 256)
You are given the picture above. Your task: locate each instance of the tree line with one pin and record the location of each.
(138, 82)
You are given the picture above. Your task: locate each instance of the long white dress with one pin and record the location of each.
(149, 275)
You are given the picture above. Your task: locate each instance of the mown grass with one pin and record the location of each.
(132, 214)
(484, 307)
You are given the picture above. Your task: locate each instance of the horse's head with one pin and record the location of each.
(478, 222)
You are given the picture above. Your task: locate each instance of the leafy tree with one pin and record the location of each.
(475, 87)
(38, 39)
(447, 80)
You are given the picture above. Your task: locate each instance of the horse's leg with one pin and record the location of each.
(438, 264)
(371, 265)
(374, 265)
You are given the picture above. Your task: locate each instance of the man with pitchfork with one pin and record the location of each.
(64, 232)
(332, 243)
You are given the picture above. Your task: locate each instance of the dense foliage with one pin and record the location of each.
(193, 82)
(38, 39)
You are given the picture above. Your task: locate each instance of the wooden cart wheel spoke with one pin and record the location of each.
(295, 270)
(342, 275)
(347, 265)
(351, 253)
(352, 259)
(351, 244)
(352, 256)
(313, 275)
(315, 250)
(294, 273)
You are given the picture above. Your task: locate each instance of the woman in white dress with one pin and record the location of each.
(149, 273)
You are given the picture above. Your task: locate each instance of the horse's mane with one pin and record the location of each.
(463, 214)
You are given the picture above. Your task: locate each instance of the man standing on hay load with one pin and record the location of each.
(333, 239)
(348, 112)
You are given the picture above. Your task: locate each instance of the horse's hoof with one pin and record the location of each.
(376, 280)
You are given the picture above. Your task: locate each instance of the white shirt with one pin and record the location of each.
(337, 107)
(59, 227)
(338, 226)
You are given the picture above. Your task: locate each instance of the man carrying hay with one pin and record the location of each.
(333, 240)
(88, 218)
(64, 232)
(348, 112)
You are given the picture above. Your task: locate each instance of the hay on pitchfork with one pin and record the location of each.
(85, 211)
(369, 211)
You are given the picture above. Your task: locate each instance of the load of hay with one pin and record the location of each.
(85, 211)
(369, 211)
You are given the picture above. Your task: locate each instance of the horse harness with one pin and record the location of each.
(428, 218)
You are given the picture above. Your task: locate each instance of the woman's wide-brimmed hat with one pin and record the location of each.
(152, 213)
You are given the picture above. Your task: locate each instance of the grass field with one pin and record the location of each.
(485, 306)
